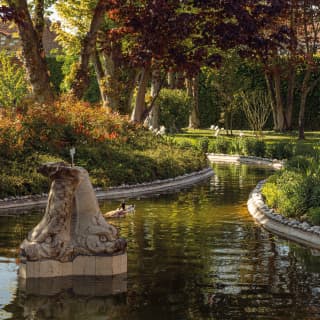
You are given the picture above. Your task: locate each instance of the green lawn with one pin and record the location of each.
(191, 135)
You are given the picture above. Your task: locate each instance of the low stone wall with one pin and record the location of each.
(11, 204)
(291, 229)
(213, 157)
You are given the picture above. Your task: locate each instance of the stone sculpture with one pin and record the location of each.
(72, 225)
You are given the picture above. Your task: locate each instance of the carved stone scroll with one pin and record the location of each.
(72, 224)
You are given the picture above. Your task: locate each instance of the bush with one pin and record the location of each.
(107, 145)
(280, 150)
(313, 215)
(270, 191)
(298, 163)
(237, 146)
(21, 177)
(186, 144)
(303, 149)
(314, 191)
(288, 193)
(219, 145)
(203, 144)
(174, 109)
(254, 147)
(13, 84)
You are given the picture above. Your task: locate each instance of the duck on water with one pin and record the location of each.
(121, 211)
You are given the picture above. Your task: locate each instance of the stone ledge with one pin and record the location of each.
(302, 233)
(80, 266)
(124, 191)
(158, 186)
(274, 163)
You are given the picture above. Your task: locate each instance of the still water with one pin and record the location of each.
(196, 254)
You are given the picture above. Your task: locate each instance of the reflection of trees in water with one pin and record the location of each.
(66, 305)
(210, 262)
(198, 255)
(13, 230)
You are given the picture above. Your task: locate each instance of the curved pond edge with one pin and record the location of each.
(300, 232)
(124, 191)
(303, 233)
(227, 158)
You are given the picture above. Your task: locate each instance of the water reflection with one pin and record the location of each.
(83, 286)
(192, 255)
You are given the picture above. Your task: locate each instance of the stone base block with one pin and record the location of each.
(80, 266)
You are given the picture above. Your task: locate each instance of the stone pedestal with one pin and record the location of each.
(80, 266)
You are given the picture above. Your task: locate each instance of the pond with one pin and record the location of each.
(195, 254)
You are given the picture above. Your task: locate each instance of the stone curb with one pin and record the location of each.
(214, 157)
(272, 221)
(303, 233)
(124, 191)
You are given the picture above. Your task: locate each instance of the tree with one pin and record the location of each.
(160, 36)
(88, 45)
(30, 34)
(257, 30)
(13, 85)
(256, 106)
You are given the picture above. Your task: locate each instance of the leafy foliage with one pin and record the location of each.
(107, 145)
(287, 193)
(174, 109)
(13, 84)
(280, 150)
(295, 191)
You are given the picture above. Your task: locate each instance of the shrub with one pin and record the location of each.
(174, 109)
(237, 146)
(303, 149)
(13, 84)
(254, 147)
(313, 215)
(288, 193)
(271, 192)
(314, 191)
(203, 144)
(280, 150)
(107, 145)
(298, 163)
(185, 144)
(219, 145)
(21, 177)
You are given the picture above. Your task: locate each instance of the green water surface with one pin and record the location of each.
(194, 254)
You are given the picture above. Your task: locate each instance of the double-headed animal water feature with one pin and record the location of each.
(73, 238)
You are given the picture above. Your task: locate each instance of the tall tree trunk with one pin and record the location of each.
(272, 95)
(133, 78)
(302, 112)
(82, 78)
(290, 97)
(193, 92)
(34, 59)
(39, 22)
(153, 116)
(140, 104)
(171, 80)
(303, 99)
(180, 80)
(100, 75)
(279, 102)
(111, 82)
